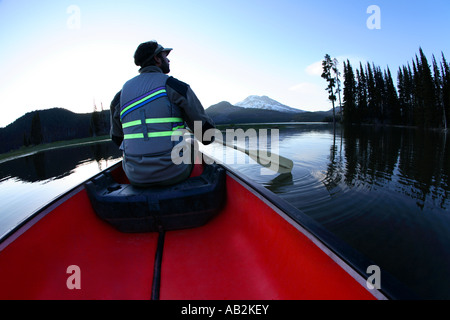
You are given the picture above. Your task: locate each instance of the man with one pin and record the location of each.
(145, 114)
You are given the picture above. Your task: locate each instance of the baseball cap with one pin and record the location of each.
(143, 54)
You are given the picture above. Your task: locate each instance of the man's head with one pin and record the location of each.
(152, 54)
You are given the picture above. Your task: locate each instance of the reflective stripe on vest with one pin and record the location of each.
(142, 100)
(154, 134)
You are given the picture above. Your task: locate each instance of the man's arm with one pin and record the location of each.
(116, 125)
(181, 94)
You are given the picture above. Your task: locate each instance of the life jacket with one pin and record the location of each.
(147, 116)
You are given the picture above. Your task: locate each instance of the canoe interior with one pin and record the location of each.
(247, 252)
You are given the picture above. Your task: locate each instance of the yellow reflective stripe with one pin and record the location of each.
(164, 134)
(133, 136)
(153, 94)
(163, 120)
(152, 120)
(152, 134)
(131, 124)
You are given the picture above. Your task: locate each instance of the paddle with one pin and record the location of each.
(281, 164)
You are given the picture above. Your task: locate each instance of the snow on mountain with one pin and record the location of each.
(264, 102)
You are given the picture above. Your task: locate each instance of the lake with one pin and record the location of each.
(28, 183)
(383, 190)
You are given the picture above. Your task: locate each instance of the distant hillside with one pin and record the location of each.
(226, 113)
(56, 125)
(59, 124)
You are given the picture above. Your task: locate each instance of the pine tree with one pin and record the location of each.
(337, 74)
(410, 91)
(405, 95)
(401, 94)
(418, 104)
(392, 108)
(362, 94)
(438, 93)
(379, 94)
(371, 100)
(350, 110)
(431, 111)
(327, 66)
(445, 90)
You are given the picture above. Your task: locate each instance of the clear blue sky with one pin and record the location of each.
(72, 54)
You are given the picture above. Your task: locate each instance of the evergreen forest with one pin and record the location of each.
(421, 97)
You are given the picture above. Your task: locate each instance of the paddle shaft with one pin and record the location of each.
(281, 164)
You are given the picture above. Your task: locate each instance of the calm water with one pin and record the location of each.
(385, 191)
(28, 183)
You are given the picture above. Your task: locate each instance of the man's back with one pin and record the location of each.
(154, 109)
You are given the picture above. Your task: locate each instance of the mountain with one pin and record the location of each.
(57, 124)
(256, 109)
(265, 103)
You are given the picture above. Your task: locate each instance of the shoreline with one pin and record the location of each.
(27, 151)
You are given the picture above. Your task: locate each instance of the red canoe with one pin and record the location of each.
(258, 247)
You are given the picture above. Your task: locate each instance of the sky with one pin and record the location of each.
(76, 54)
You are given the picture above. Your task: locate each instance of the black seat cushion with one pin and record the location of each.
(189, 204)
